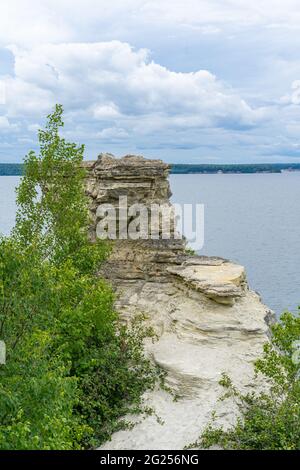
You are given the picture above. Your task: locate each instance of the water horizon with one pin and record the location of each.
(251, 219)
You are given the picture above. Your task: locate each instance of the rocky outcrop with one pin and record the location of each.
(206, 319)
(223, 282)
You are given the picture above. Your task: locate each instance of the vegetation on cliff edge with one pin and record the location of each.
(72, 371)
(269, 420)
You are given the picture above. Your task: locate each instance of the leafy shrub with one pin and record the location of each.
(72, 371)
(269, 420)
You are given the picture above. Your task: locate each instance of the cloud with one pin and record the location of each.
(4, 123)
(34, 127)
(112, 82)
(112, 133)
(282, 149)
(107, 111)
(215, 74)
(294, 96)
(32, 22)
(2, 92)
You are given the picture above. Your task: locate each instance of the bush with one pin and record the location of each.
(269, 420)
(72, 371)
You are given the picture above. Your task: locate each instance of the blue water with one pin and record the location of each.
(255, 221)
(7, 202)
(251, 219)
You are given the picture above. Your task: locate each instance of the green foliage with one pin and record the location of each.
(269, 420)
(37, 397)
(190, 251)
(72, 371)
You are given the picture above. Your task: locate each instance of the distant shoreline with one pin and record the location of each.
(234, 168)
(11, 169)
(16, 169)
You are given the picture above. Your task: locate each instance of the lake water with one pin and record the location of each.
(7, 202)
(255, 221)
(251, 219)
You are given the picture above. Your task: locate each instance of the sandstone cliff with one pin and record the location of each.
(206, 319)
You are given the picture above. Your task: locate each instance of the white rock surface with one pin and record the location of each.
(206, 319)
(199, 340)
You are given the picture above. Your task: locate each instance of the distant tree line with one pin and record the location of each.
(234, 168)
(11, 169)
(16, 169)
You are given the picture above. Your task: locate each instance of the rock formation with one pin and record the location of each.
(206, 319)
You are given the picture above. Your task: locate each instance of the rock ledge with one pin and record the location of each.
(206, 319)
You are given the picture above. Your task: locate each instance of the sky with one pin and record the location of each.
(190, 81)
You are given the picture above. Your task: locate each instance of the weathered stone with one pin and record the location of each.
(222, 282)
(205, 317)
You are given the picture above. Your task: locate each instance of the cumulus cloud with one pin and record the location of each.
(112, 82)
(107, 111)
(33, 21)
(2, 92)
(124, 97)
(4, 123)
(285, 149)
(294, 96)
(112, 133)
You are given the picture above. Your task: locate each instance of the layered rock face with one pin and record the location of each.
(206, 319)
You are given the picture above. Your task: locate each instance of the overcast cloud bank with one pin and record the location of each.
(187, 81)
